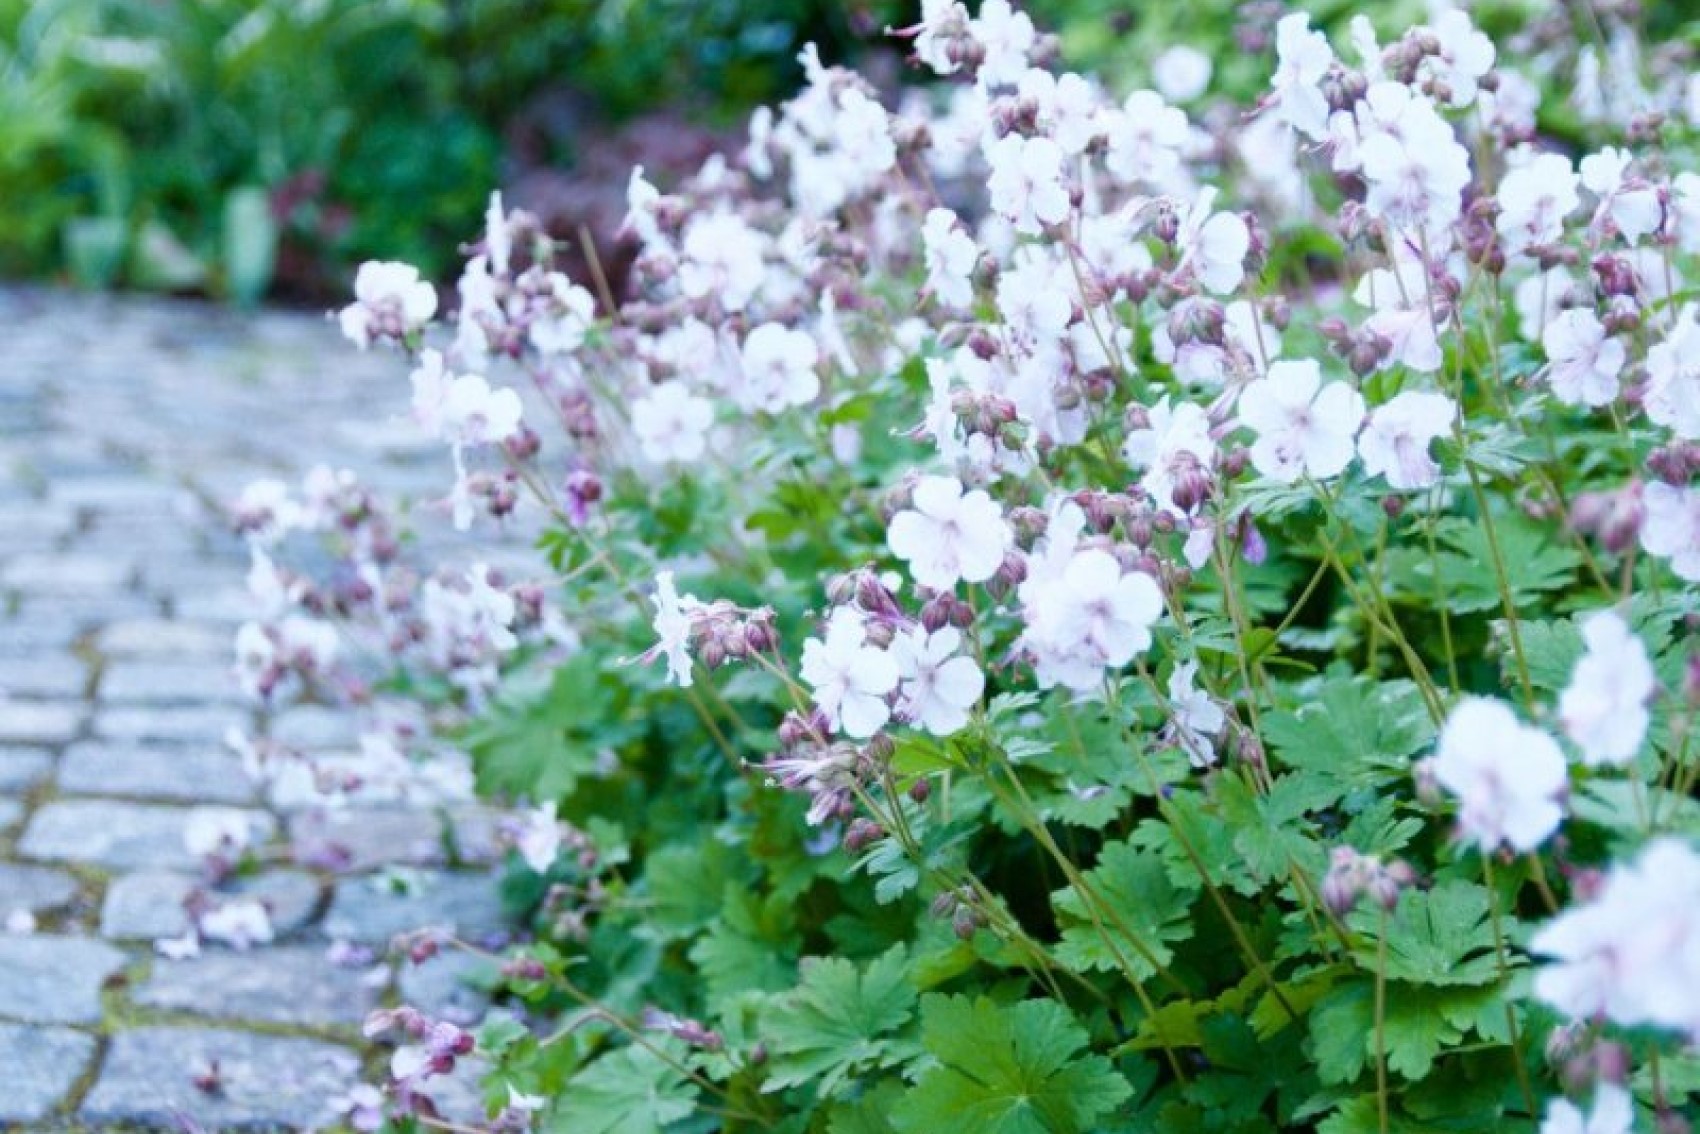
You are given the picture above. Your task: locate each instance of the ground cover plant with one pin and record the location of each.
(1068, 612)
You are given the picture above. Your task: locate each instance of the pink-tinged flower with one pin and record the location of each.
(671, 423)
(778, 369)
(1628, 206)
(1403, 315)
(239, 923)
(1632, 952)
(1671, 527)
(1583, 362)
(1026, 182)
(721, 259)
(539, 838)
(672, 625)
(1509, 777)
(950, 256)
(390, 302)
(1604, 708)
(1613, 1113)
(1213, 245)
(949, 536)
(1146, 138)
(1465, 55)
(1195, 720)
(566, 317)
(462, 409)
(1177, 453)
(1395, 441)
(1305, 58)
(1084, 615)
(940, 686)
(1303, 429)
(1006, 36)
(852, 680)
(1673, 371)
(1070, 108)
(1534, 199)
(1181, 73)
(1416, 178)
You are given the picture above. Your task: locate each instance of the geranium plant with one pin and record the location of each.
(1073, 613)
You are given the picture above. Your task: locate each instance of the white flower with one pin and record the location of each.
(1181, 73)
(570, 310)
(1533, 201)
(1069, 108)
(1671, 529)
(1509, 777)
(1465, 56)
(1083, 614)
(1604, 708)
(778, 369)
(671, 423)
(1673, 371)
(721, 258)
(1006, 36)
(461, 409)
(1628, 207)
(1175, 441)
(1395, 441)
(851, 679)
(940, 687)
(951, 255)
(1416, 178)
(390, 301)
(1632, 953)
(1034, 301)
(672, 626)
(1540, 298)
(1304, 59)
(222, 831)
(1026, 182)
(1213, 245)
(1403, 315)
(1146, 139)
(1300, 431)
(1613, 1113)
(538, 839)
(948, 535)
(1195, 720)
(1583, 362)
(238, 923)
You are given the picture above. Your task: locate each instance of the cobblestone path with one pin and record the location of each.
(123, 423)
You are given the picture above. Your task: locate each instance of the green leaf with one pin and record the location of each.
(1007, 1070)
(1271, 829)
(840, 1022)
(1463, 570)
(631, 1091)
(1414, 1031)
(1363, 732)
(751, 948)
(1140, 907)
(1440, 937)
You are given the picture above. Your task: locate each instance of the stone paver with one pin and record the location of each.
(148, 1078)
(115, 834)
(124, 422)
(41, 1066)
(148, 904)
(36, 889)
(54, 980)
(283, 985)
(153, 771)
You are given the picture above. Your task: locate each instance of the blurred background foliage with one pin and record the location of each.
(249, 148)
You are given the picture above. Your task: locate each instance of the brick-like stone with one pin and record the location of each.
(54, 980)
(43, 673)
(23, 768)
(315, 727)
(192, 723)
(362, 839)
(283, 985)
(34, 888)
(39, 722)
(196, 773)
(115, 835)
(148, 904)
(161, 638)
(41, 1065)
(373, 910)
(266, 1082)
(11, 811)
(446, 986)
(66, 574)
(168, 683)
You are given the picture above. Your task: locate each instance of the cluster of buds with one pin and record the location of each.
(1612, 518)
(1353, 876)
(434, 1049)
(1362, 349)
(829, 772)
(963, 909)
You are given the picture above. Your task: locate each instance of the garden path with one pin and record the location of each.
(124, 424)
